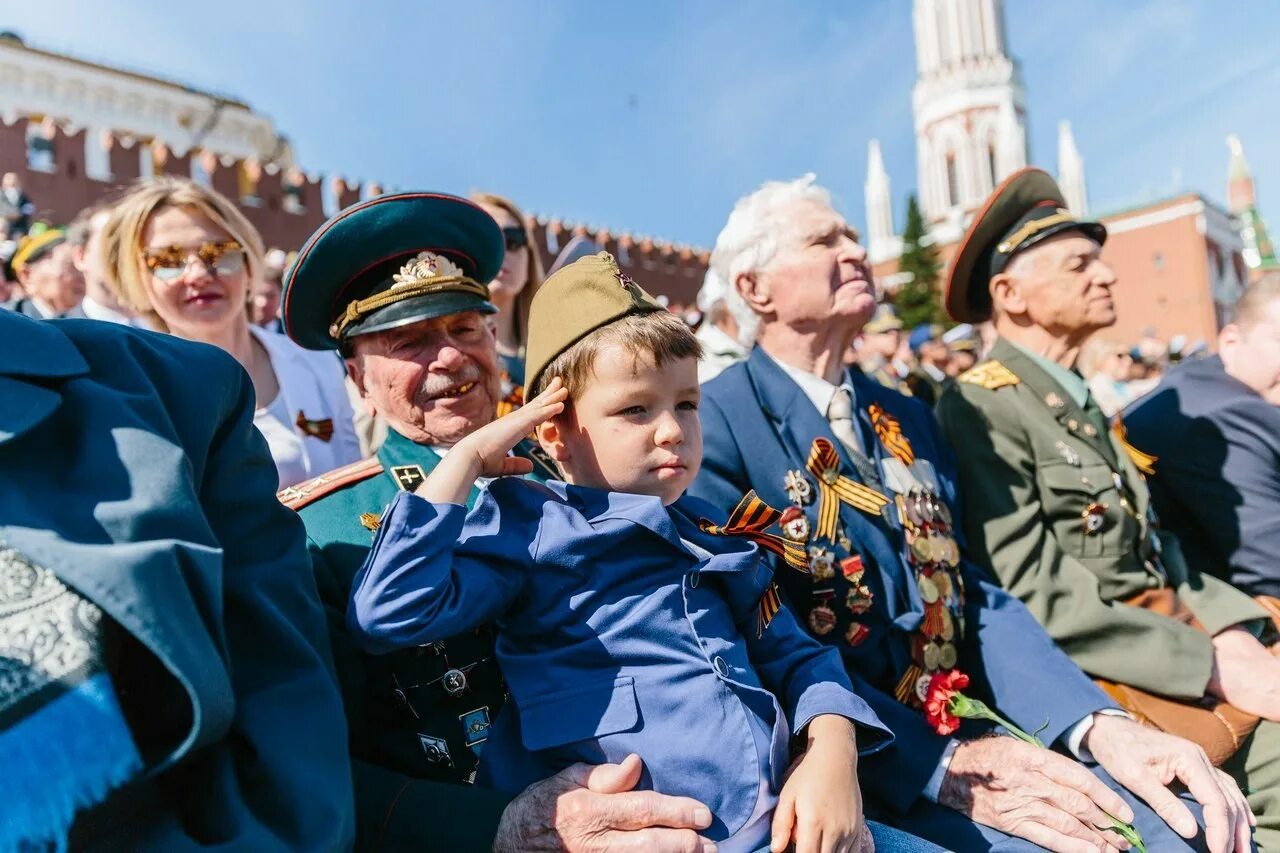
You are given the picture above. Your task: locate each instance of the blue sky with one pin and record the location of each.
(654, 117)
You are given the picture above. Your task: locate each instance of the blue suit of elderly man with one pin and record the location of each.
(870, 488)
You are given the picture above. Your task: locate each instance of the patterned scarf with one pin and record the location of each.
(64, 744)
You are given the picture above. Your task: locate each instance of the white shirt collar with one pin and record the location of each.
(817, 389)
(95, 310)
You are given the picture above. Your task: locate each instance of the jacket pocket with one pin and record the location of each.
(580, 713)
(1083, 507)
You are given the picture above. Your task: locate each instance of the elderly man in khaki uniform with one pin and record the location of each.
(1056, 506)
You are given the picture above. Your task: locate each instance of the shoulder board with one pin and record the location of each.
(989, 375)
(309, 491)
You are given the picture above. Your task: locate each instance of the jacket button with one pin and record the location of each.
(694, 577)
(720, 666)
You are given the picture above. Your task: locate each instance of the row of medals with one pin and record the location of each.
(934, 556)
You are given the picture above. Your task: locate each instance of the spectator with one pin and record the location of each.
(512, 290)
(16, 207)
(1106, 364)
(166, 684)
(45, 267)
(877, 349)
(264, 303)
(929, 377)
(185, 258)
(718, 334)
(85, 238)
(1211, 433)
(963, 347)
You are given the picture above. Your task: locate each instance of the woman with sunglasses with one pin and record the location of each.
(185, 259)
(512, 291)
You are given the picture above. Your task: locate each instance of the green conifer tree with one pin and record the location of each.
(917, 300)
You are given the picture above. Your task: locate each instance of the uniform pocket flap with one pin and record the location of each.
(588, 711)
(1090, 479)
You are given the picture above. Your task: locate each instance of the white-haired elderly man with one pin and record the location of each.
(869, 488)
(718, 333)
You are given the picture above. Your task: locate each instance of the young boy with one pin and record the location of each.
(626, 622)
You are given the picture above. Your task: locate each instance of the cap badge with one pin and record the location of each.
(425, 267)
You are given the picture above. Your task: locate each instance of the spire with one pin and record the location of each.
(1071, 171)
(879, 204)
(1240, 190)
(1258, 252)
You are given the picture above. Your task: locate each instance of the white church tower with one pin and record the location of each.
(1071, 172)
(881, 241)
(969, 108)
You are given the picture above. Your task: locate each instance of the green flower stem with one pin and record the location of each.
(973, 709)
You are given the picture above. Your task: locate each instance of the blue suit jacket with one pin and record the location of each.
(1217, 471)
(130, 467)
(613, 637)
(757, 425)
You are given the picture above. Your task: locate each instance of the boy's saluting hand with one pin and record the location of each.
(820, 807)
(485, 452)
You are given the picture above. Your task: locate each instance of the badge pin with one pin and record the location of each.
(856, 634)
(437, 749)
(370, 521)
(794, 524)
(822, 619)
(475, 726)
(799, 490)
(1090, 430)
(852, 568)
(1093, 517)
(454, 682)
(859, 599)
(1068, 453)
(1073, 424)
(822, 564)
(408, 477)
(1054, 400)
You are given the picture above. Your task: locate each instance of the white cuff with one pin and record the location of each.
(1073, 740)
(934, 787)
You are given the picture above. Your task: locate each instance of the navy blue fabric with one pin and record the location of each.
(757, 425)
(1217, 471)
(613, 637)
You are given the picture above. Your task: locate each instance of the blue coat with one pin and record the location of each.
(757, 425)
(130, 467)
(613, 637)
(1217, 471)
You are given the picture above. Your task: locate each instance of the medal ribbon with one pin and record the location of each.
(834, 489)
(770, 604)
(321, 429)
(889, 431)
(1144, 462)
(750, 519)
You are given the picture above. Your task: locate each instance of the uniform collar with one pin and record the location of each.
(1073, 383)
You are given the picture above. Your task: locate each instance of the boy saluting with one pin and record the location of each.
(627, 621)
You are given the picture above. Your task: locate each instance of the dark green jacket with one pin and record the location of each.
(1056, 509)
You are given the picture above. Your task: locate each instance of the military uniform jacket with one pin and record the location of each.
(614, 638)
(1056, 509)
(1215, 444)
(758, 427)
(408, 726)
(130, 467)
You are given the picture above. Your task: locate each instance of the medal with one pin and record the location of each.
(798, 488)
(858, 600)
(852, 569)
(856, 634)
(932, 657)
(1093, 517)
(947, 656)
(928, 589)
(822, 620)
(922, 687)
(822, 564)
(794, 524)
(948, 627)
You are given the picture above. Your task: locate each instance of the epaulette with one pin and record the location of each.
(296, 497)
(990, 375)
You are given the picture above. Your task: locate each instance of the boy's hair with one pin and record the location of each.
(659, 334)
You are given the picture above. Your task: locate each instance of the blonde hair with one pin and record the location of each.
(525, 298)
(659, 335)
(121, 255)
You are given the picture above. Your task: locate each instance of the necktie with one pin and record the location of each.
(840, 416)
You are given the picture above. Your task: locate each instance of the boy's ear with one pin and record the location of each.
(551, 438)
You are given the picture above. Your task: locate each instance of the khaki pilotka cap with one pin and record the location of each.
(573, 302)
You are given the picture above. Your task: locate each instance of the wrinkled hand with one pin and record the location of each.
(1245, 674)
(586, 809)
(820, 806)
(1035, 794)
(1146, 761)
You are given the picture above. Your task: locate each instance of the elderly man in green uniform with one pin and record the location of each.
(395, 285)
(878, 347)
(1056, 506)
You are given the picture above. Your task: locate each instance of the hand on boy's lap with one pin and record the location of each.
(484, 453)
(820, 807)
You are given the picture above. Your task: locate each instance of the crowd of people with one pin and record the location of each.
(398, 541)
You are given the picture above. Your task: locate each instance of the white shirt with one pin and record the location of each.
(95, 310)
(283, 441)
(817, 389)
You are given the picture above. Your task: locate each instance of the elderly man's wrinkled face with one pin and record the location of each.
(434, 381)
(1060, 285)
(55, 279)
(883, 344)
(1251, 352)
(820, 274)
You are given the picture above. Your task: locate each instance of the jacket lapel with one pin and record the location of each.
(1055, 399)
(32, 353)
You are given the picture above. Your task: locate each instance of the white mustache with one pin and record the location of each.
(436, 384)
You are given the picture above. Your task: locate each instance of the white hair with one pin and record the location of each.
(750, 239)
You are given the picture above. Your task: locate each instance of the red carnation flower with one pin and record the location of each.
(943, 687)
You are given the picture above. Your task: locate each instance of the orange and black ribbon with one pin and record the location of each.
(321, 429)
(750, 519)
(513, 399)
(770, 604)
(835, 488)
(889, 431)
(1144, 462)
